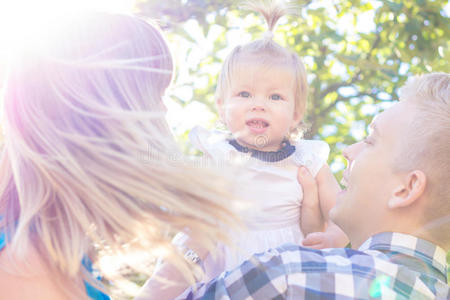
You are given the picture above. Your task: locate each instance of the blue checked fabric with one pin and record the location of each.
(387, 266)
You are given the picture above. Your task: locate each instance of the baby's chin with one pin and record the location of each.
(261, 142)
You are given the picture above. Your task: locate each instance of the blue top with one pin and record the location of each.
(388, 265)
(92, 292)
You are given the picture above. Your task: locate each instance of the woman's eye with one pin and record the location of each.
(275, 97)
(244, 94)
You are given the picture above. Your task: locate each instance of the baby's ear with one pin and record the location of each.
(298, 117)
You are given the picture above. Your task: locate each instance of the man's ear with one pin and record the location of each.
(220, 108)
(409, 191)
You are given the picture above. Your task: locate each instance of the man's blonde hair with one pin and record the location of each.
(88, 164)
(427, 146)
(268, 53)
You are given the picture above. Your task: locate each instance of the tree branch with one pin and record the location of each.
(334, 87)
(343, 99)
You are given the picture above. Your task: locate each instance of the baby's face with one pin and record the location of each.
(259, 107)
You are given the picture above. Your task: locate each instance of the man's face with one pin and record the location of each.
(362, 207)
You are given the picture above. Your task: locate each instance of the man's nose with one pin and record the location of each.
(351, 151)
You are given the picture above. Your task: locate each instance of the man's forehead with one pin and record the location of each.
(399, 113)
(373, 126)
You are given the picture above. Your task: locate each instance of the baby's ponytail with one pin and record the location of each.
(272, 11)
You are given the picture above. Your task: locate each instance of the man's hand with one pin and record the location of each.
(333, 237)
(317, 240)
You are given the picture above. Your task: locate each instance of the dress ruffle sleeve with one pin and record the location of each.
(312, 154)
(212, 143)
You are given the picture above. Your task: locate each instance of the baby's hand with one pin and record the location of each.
(319, 240)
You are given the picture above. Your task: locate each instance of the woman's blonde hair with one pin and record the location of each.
(267, 52)
(88, 162)
(429, 147)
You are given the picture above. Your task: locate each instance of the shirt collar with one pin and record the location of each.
(409, 245)
(268, 156)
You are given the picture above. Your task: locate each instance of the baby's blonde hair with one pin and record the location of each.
(88, 163)
(266, 51)
(428, 147)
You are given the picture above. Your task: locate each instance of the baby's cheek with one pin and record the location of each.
(234, 127)
(232, 113)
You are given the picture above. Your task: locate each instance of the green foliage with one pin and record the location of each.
(355, 65)
(448, 271)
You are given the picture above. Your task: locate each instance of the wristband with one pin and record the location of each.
(193, 257)
(189, 254)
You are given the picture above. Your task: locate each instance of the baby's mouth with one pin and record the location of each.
(257, 123)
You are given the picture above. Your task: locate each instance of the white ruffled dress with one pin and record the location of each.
(270, 192)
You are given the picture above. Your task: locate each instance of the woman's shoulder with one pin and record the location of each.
(27, 279)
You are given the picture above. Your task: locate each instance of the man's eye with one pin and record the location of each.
(244, 94)
(368, 141)
(275, 97)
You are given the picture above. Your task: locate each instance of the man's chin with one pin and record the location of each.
(335, 214)
(332, 213)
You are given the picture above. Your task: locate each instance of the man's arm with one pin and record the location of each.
(288, 272)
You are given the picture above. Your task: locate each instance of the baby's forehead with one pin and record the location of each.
(255, 68)
(262, 60)
(247, 72)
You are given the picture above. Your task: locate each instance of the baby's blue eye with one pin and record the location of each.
(275, 97)
(244, 94)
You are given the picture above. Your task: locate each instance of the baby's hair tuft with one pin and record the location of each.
(272, 10)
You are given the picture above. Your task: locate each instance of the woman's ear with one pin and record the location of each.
(410, 191)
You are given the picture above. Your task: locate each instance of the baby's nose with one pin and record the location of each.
(258, 104)
(258, 108)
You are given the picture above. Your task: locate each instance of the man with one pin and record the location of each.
(395, 209)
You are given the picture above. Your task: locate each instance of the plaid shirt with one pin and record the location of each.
(386, 266)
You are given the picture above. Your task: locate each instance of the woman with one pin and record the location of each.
(87, 164)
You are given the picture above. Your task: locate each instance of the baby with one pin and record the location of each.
(261, 98)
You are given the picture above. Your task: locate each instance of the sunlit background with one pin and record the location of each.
(21, 20)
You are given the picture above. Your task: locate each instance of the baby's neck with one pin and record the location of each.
(252, 148)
